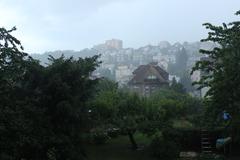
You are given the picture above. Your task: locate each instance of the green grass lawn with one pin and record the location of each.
(119, 149)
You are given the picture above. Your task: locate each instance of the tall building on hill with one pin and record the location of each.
(109, 44)
(148, 78)
(114, 43)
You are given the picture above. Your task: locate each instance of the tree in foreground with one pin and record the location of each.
(43, 109)
(12, 67)
(221, 71)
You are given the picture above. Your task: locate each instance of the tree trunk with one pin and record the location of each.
(132, 140)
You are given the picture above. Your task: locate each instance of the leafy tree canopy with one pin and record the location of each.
(221, 70)
(43, 110)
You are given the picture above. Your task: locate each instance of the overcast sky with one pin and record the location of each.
(45, 25)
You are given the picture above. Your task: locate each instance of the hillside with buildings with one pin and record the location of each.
(118, 63)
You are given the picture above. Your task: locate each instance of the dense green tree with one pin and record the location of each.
(131, 114)
(104, 105)
(43, 110)
(66, 87)
(11, 63)
(221, 71)
(177, 106)
(12, 69)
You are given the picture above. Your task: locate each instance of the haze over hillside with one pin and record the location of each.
(163, 46)
(118, 63)
(76, 24)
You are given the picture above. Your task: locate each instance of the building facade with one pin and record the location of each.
(148, 79)
(114, 43)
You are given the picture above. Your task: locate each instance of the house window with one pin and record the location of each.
(136, 87)
(151, 77)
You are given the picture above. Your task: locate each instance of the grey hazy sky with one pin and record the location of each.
(45, 25)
